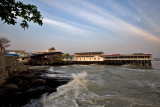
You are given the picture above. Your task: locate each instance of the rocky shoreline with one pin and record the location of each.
(21, 87)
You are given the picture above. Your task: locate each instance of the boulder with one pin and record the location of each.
(11, 86)
(24, 83)
(3, 91)
(36, 89)
(37, 82)
(35, 92)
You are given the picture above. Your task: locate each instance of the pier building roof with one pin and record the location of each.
(141, 54)
(90, 53)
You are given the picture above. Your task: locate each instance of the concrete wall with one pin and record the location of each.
(8, 64)
(3, 72)
(13, 64)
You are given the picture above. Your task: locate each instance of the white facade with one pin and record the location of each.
(89, 56)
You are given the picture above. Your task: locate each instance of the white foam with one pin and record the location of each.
(51, 69)
(74, 94)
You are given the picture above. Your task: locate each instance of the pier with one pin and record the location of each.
(138, 59)
(57, 58)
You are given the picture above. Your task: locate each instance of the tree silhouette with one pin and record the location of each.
(4, 42)
(10, 10)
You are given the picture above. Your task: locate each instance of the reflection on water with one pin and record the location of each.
(104, 86)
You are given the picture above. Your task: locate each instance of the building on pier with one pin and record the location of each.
(138, 59)
(88, 57)
(48, 58)
(47, 51)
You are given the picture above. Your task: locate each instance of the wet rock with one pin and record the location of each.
(24, 83)
(40, 88)
(3, 91)
(22, 87)
(37, 82)
(11, 86)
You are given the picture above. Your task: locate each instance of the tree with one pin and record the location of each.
(66, 54)
(4, 42)
(10, 10)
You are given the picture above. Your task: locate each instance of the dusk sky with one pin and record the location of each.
(111, 26)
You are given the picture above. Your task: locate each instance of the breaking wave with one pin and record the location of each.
(73, 94)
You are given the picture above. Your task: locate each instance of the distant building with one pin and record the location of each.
(133, 59)
(39, 52)
(89, 56)
(20, 53)
(51, 50)
(69, 58)
(134, 56)
(15, 51)
(46, 58)
(47, 51)
(24, 59)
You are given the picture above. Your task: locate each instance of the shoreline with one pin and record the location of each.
(21, 87)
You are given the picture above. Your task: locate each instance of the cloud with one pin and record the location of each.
(4, 35)
(66, 27)
(142, 33)
(98, 16)
(148, 16)
(138, 19)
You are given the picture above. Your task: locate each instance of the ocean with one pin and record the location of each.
(103, 86)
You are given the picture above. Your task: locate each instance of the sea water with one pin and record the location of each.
(103, 86)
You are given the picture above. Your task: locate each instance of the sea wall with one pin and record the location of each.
(13, 64)
(3, 71)
(9, 64)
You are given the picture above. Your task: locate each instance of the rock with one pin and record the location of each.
(24, 83)
(36, 92)
(40, 88)
(17, 81)
(11, 86)
(3, 91)
(24, 86)
(38, 82)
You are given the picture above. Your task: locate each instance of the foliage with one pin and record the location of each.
(66, 54)
(4, 42)
(10, 10)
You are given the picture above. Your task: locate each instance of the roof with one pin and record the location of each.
(16, 51)
(11, 54)
(47, 53)
(89, 53)
(128, 55)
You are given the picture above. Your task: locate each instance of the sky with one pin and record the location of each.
(111, 26)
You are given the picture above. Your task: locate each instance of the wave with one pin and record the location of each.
(153, 85)
(74, 94)
(51, 69)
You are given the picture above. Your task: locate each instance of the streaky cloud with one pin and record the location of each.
(67, 27)
(102, 18)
